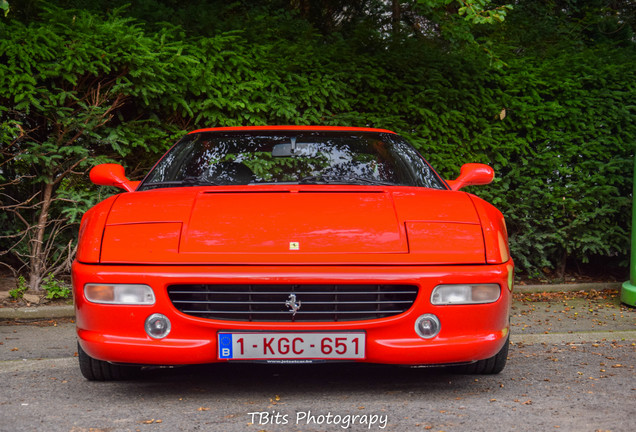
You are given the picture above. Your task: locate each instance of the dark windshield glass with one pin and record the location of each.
(305, 157)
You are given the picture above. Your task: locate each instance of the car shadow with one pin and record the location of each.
(249, 378)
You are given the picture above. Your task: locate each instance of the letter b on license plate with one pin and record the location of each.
(274, 346)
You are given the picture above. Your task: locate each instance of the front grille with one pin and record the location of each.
(317, 302)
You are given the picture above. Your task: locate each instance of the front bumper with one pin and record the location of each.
(116, 333)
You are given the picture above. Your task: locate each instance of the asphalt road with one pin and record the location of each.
(565, 372)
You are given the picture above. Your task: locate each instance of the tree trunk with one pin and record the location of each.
(38, 258)
(562, 266)
(396, 18)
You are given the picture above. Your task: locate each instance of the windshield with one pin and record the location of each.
(292, 157)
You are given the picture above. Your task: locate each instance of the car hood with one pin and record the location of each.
(293, 225)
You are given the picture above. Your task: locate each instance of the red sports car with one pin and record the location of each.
(292, 244)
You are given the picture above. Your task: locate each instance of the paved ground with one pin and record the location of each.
(571, 368)
(535, 316)
(565, 387)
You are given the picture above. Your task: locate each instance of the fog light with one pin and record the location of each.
(427, 326)
(157, 326)
(465, 294)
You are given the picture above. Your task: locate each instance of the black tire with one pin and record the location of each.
(98, 370)
(489, 366)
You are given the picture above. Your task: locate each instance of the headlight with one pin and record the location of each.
(465, 294)
(126, 294)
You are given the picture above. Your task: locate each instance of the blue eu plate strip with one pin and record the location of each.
(225, 346)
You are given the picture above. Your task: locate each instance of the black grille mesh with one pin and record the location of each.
(257, 302)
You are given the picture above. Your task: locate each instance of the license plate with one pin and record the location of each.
(276, 346)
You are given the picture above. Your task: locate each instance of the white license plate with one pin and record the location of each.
(276, 346)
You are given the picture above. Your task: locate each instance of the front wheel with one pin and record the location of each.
(489, 366)
(99, 370)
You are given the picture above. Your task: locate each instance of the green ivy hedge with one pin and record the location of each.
(558, 126)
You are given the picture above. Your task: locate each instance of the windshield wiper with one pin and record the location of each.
(316, 179)
(352, 180)
(188, 181)
(362, 181)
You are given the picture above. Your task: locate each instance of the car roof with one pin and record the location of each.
(292, 128)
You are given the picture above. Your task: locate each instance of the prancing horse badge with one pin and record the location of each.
(294, 246)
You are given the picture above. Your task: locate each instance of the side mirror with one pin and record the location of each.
(112, 175)
(472, 174)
